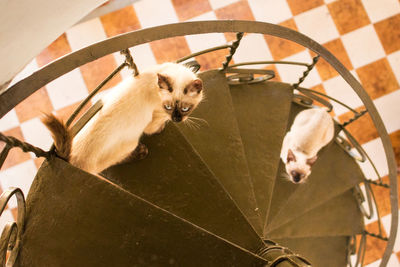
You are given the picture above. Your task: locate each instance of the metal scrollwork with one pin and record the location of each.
(361, 199)
(360, 253)
(348, 145)
(276, 254)
(312, 94)
(303, 101)
(246, 76)
(10, 240)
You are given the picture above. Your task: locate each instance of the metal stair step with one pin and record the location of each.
(320, 251)
(262, 110)
(174, 177)
(340, 216)
(220, 146)
(334, 173)
(283, 188)
(76, 219)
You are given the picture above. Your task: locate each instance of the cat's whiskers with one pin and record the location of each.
(286, 176)
(189, 124)
(204, 99)
(199, 119)
(192, 123)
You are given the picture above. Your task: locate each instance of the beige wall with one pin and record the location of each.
(28, 26)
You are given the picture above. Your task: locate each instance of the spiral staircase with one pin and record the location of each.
(212, 195)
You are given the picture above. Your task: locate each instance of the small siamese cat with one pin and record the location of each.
(137, 105)
(311, 130)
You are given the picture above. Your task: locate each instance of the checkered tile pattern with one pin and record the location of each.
(363, 34)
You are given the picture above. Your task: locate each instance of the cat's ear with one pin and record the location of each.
(194, 87)
(290, 156)
(312, 160)
(163, 82)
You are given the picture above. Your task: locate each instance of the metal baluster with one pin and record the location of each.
(232, 50)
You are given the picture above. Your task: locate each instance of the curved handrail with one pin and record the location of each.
(48, 73)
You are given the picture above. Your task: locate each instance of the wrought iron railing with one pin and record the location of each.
(306, 97)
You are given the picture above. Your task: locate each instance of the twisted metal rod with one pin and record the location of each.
(377, 183)
(232, 50)
(306, 72)
(26, 147)
(4, 153)
(129, 61)
(379, 236)
(356, 117)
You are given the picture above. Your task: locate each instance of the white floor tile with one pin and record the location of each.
(21, 176)
(200, 42)
(394, 61)
(142, 55)
(272, 11)
(28, 70)
(393, 262)
(206, 16)
(86, 33)
(126, 72)
(389, 110)
(6, 217)
(329, 1)
(67, 89)
(363, 46)
(376, 152)
(292, 73)
(9, 121)
(381, 9)
(338, 88)
(36, 133)
(317, 24)
(100, 95)
(155, 12)
(215, 4)
(204, 41)
(252, 48)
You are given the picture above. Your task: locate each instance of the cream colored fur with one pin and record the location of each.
(131, 108)
(311, 130)
(115, 131)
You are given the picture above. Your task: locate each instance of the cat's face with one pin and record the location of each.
(181, 91)
(298, 166)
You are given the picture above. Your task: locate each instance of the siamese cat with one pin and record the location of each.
(141, 104)
(311, 130)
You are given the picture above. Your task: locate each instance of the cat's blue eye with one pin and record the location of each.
(167, 107)
(185, 109)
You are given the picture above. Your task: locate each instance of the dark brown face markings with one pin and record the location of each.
(194, 86)
(312, 160)
(290, 156)
(164, 82)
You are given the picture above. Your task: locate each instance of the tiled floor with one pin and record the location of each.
(363, 34)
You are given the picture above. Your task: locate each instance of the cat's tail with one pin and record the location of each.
(61, 135)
